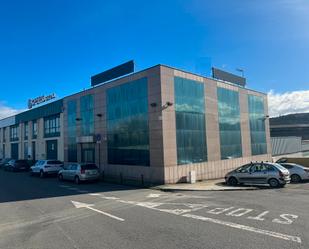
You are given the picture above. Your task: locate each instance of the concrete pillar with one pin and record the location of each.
(212, 121)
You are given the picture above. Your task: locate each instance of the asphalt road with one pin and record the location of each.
(44, 213)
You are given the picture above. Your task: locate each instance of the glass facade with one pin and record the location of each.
(14, 133)
(127, 124)
(86, 115)
(229, 123)
(257, 125)
(25, 150)
(52, 126)
(190, 121)
(4, 134)
(34, 129)
(72, 146)
(26, 130)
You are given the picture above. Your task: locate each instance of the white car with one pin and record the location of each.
(46, 167)
(298, 173)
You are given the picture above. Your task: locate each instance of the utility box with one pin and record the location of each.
(192, 176)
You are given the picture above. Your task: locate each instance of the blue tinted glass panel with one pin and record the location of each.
(229, 123)
(257, 125)
(190, 121)
(72, 146)
(86, 115)
(127, 124)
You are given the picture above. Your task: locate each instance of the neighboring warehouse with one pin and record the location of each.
(296, 125)
(156, 125)
(289, 133)
(34, 134)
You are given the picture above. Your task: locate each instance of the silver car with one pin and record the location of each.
(79, 172)
(259, 173)
(298, 173)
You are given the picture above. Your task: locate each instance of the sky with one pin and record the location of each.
(56, 46)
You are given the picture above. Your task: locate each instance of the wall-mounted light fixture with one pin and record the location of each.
(169, 103)
(99, 115)
(153, 104)
(265, 117)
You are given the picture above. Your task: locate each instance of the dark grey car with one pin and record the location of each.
(259, 173)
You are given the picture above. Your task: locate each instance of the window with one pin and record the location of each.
(89, 166)
(127, 124)
(3, 151)
(52, 126)
(14, 133)
(4, 135)
(26, 150)
(257, 125)
(229, 123)
(244, 169)
(26, 130)
(258, 167)
(190, 121)
(86, 115)
(71, 124)
(34, 129)
(73, 167)
(54, 162)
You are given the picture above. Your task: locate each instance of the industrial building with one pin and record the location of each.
(155, 126)
(296, 124)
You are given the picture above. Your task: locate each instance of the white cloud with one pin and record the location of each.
(6, 111)
(288, 102)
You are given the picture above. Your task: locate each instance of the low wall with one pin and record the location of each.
(208, 170)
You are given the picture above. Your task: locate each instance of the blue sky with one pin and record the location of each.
(55, 46)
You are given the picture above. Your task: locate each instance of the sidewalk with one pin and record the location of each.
(207, 185)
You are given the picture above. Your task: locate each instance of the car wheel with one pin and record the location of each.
(60, 177)
(232, 181)
(274, 183)
(295, 178)
(76, 180)
(42, 174)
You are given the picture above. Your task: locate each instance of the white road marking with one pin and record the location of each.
(95, 194)
(174, 211)
(246, 228)
(64, 186)
(239, 212)
(219, 210)
(285, 219)
(177, 211)
(109, 197)
(89, 206)
(258, 217)
(154, 195)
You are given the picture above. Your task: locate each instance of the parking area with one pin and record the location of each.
(46, 213)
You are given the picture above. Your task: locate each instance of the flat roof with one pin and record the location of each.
(131, 74)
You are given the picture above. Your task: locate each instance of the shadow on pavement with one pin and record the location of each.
(20, 186)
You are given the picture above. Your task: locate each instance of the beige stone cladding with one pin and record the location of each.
(214, 167)
(149, 174)
(208, 170)
(162, 129)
